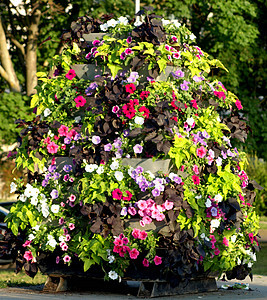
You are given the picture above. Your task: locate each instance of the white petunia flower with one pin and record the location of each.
(218, 198)
(118, 175)
(198, 197)
(55, 208)
(203, 235)
(47, 112)
(34, 201)
(31, 237)
(113, 275)
(36, 228)
(238, 261)
(151, 175)
(51, 242)
(138, 23)
(112, 23)
(45, 210)
(208, 203)
(90, 168)
(13, 187)
(215, 223)
(115, 165)
(22, 198)
(139, 120)
(190, 121)
(100, 170)
(123, 20)
(192, 36)
(233, 238)
(176, 23)
(165, 22)
(111, 259)
(104, 27)
(62, 238)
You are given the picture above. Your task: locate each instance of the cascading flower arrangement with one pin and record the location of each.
(92, 200)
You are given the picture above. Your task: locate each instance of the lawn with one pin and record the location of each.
(8, 278)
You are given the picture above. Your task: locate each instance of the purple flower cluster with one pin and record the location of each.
(91, 89)
(200, 137)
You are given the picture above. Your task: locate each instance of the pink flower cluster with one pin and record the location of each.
(139, 234)
(120, 247)
(244, 178)
(118, 195)
(148, 210)
(213, 241)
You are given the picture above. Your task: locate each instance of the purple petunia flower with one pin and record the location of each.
(66, 177)
(52, 168)
(155, 192)
(107, 147)
(178, 74)
(126, 132)
(223, 154)
(133, 77)
(77, 137)
(67, 140)
(138, 149)
(44, 183)
(56, 176)
(124, 211)
(67, 168)
(96, 139)
(54, 194)
(117, 143)
(48, 176)
(91, 88)
(184, 87)
(139, 170)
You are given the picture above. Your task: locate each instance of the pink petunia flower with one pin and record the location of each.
(225, 242)
(201, 152)
(71, 74)
(129, 196)
(216, 251)
(28, 255)
(132, 211)
(238, 104)
(52, 147)
(142, 235)
(136, 233)
(26, 244)
(196, 179)
(195, 169)
(130, 88)
(145, 263)
(157, 260)
(63, 130)
(66, 258)
(133, 253)
(71, 226)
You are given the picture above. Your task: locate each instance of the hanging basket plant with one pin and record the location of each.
(193, 217)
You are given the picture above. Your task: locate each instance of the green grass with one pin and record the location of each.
(8, 278)
(260, 267)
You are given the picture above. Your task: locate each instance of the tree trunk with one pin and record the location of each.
(31, 56)
(6, 68)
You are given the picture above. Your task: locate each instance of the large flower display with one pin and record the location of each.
(137, 165)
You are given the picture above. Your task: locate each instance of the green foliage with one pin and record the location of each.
(257, 169)
(13, 106)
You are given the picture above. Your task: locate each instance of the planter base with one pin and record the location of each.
(147, 288)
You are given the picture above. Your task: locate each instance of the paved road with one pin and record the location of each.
(258, 286)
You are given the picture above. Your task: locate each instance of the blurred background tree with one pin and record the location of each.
(232, 30)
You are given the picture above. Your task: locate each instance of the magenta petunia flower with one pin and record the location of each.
(117, 194)
(143, 235)
(80, 101)
(27, 243)
(145, 263)
(57, 260)
(133, 253)
(238, 104)
(136, 233)
(225, 242)
(157, 260)
(129, 196)
(196, 179)
(132, 211)
(130, 88)
(71, 74)
(216, 251)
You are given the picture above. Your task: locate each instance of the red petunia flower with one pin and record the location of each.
(196, 179)
(80, 101)
(130, 88)
(145, 110)
(117, 194)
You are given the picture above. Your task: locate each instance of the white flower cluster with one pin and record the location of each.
(51, 241)
(94, 167)
(175, 23)
(113, 23)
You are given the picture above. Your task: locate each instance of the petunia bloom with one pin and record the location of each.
(71, 74)
(80, 101)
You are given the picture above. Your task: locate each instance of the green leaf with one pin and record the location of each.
(88, 263)
(114, 69)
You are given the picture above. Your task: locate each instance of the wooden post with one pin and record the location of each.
(137, 8)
